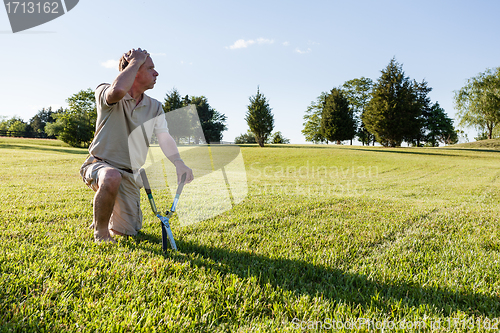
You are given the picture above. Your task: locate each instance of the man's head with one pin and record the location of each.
(146, 75)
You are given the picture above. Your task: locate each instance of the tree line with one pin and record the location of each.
(35, 128)
(75, 125)
(389, 111)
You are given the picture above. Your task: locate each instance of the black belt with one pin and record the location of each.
(123, 169)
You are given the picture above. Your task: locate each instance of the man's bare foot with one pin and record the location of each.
(103, 237)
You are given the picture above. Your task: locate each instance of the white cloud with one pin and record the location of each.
(299, 51)
(241, 43)
(286, 43)
(110, 63)
(265, 41)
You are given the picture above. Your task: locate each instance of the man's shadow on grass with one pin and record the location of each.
(304, 278)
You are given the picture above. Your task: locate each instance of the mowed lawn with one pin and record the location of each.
(327, 236)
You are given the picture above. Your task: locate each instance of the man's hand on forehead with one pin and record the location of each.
(138, 55)
(138, 50)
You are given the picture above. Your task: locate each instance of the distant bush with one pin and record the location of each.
(248, 137)
(278, 138)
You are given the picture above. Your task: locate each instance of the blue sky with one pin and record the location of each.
(223, 50)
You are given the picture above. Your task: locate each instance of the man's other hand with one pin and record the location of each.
(181, 168)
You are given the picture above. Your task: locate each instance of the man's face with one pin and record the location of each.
(146, 76)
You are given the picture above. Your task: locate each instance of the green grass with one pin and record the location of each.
(325, 233)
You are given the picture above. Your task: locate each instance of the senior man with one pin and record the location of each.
(111, 168)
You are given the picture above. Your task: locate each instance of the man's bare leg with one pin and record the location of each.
(104, 201)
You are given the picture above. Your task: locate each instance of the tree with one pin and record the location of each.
(14, 126)
(337, 120)
(248, 137)
(83, 103)
(484, 134)
(18, 127)
(76, 125)
(37, 125)
(4, 126)
(42, 118)
(72, 128)
(173, 101)
(212, 122)
(439, 127)
(420, 103)
(358, 92)
(179, 123)
(478, 102)
(278, 138)
(312, 124)
(393, 112)
(260, 118)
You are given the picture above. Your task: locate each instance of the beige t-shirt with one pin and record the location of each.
(120, 139)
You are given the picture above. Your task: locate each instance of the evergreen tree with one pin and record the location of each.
(278, 138)
(393, 112)
(439, 127)
(337, 120)
(260, 118)
(172, 101)
(416, 129)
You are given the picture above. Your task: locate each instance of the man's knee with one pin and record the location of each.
(110, 179)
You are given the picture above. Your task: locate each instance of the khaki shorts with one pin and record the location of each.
(127, 215)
